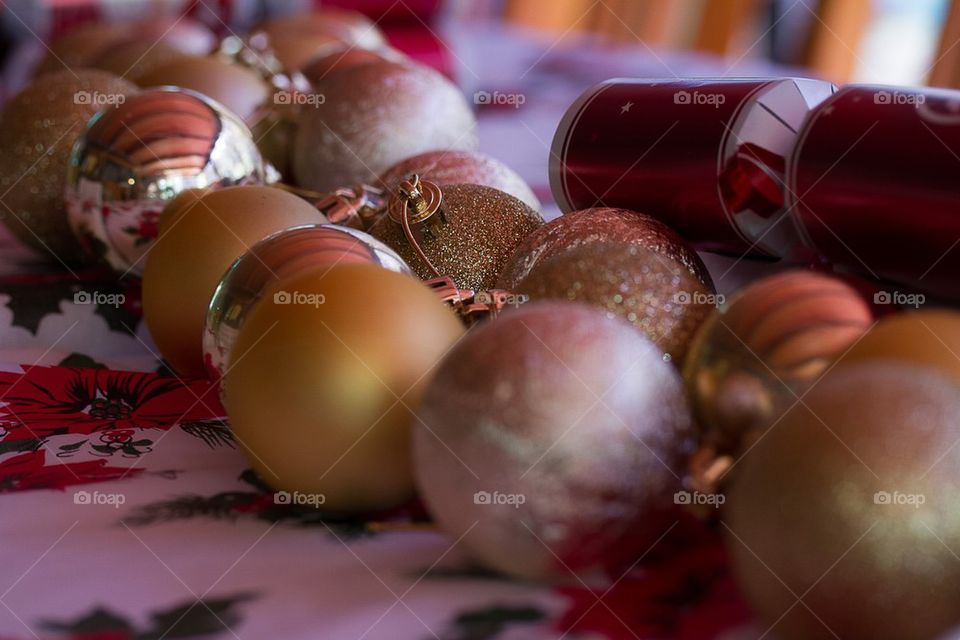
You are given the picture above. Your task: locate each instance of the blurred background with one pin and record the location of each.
(889, 41)
(541, 54)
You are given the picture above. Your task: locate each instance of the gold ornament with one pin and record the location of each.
(199, 237)
(930, 338)
(655, 294)
(40, 126)
(767, 343)
(325, 379)
(850, 500)
(464, 231)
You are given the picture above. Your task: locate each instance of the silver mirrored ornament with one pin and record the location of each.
(136, 156)
(282, 254)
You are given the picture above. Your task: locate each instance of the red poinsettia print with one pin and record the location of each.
(683, 589)
(49, 401)
(30, 471)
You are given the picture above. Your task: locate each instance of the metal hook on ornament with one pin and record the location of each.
(416, 206)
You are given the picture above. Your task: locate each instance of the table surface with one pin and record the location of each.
(126, 510)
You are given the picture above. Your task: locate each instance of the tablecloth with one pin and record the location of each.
(127, 511)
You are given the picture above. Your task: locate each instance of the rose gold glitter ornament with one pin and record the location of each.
(40, 126)
(373, 116)
(763, 346)
(601, 225)
(655, 294)
(464, 231)
(551, 441)
(445, 167)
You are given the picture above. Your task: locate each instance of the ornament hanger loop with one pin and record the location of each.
(415, 205)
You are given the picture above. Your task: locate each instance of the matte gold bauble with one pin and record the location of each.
(452, 166)
(481, 229)
(39, 128)
(930, 338)
(653, 293)
(602, 224)
(197, 241)
(767, 343)
(325, 380)
(373, 116)
(238, 88)
(551, 442)
(850, 502)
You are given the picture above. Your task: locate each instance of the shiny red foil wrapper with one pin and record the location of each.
(707, 157)
(873, 184)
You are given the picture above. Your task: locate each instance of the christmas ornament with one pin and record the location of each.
(136, 156)
(601, 225)
(197, 241)
(297, 39)
(239, 89)
(551, 442)
(373, 116)
(274, 258)
(341, 59)
(322, 392)
(706, 156)
(465, 231)
(930, 338)
(854, 492)
(653, 293)
(761, 348)
(446, 167)
(132, 59)
(85, 46)
(40, 125)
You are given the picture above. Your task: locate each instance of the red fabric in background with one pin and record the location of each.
(408, 25)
